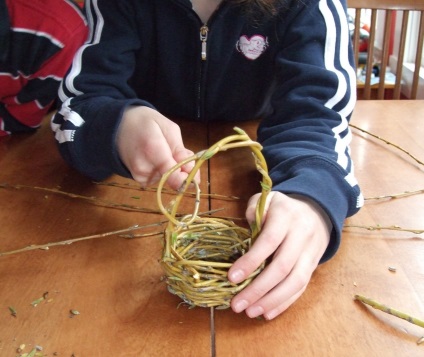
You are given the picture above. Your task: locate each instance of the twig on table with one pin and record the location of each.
(167, 191)
(13, 311)
(47, 246)
(396, 195)
(389, 310)
(388, 143)
(97, 201)
(144, 235)
(70, 241)
(390, 228)
(93, 200)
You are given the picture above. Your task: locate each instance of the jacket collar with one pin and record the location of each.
(4, 31)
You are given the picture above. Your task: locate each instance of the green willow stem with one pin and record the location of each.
(136, 187)
(388, 143)
(47, 246)
(389, 310)
(381, 228)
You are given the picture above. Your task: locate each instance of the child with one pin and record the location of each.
(38, 40)
(288, 62)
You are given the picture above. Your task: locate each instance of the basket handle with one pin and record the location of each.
(241, 139)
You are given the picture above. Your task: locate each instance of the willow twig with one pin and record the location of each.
(389, 310)
(93, 200)
(241, 139)
(391, 228)
(168, 191)
(144, 235)
(396, 195)
(388, 143)
(47, 246)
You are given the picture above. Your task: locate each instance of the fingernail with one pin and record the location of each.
(236, 276)
(271, 315)
(239, 306)
(255, 311)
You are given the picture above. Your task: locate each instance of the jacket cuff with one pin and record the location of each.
(103, 157)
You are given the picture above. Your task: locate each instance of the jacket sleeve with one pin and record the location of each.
(96, 92)
(306, 138)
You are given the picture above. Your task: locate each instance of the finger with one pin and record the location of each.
(284, 306)
(183, 155)
(172, 134)
(285, 293)
(177, 178)
(165, 162)
(285, 258)
(251, 207)
(154, 160)
(266, 244)
(162, 160)
(279, 269)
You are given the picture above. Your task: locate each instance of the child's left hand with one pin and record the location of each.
(296, 233)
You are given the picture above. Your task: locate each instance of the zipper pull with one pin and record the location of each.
(203, 37)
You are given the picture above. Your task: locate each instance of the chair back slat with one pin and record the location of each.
(401, 55)
(418, 58)
(385, 52)
(356, 36)
(370, 57)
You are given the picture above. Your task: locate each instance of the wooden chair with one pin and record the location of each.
(404, 7)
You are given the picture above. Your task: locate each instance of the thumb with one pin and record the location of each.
(172, 134)
(251, 207)
(176, 178)
(184, 154)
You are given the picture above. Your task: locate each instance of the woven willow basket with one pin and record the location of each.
(199, 251)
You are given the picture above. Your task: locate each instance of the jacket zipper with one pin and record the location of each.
(203, 38)
(204, 29)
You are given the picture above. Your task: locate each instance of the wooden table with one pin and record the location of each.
(115, 283)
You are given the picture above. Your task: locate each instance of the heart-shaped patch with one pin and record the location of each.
(252, 47)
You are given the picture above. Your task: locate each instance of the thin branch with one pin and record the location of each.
(168, 191)
(396, 195)
(144, 235)
(390, 228)
(93, 200)
(388, 143)
(47, 246)
(389, 310)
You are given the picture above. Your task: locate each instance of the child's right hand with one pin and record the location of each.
(149, 145)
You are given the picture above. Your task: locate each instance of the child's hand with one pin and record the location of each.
(150, 144)
(295, 233)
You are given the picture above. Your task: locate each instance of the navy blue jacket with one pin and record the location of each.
(294, 71)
